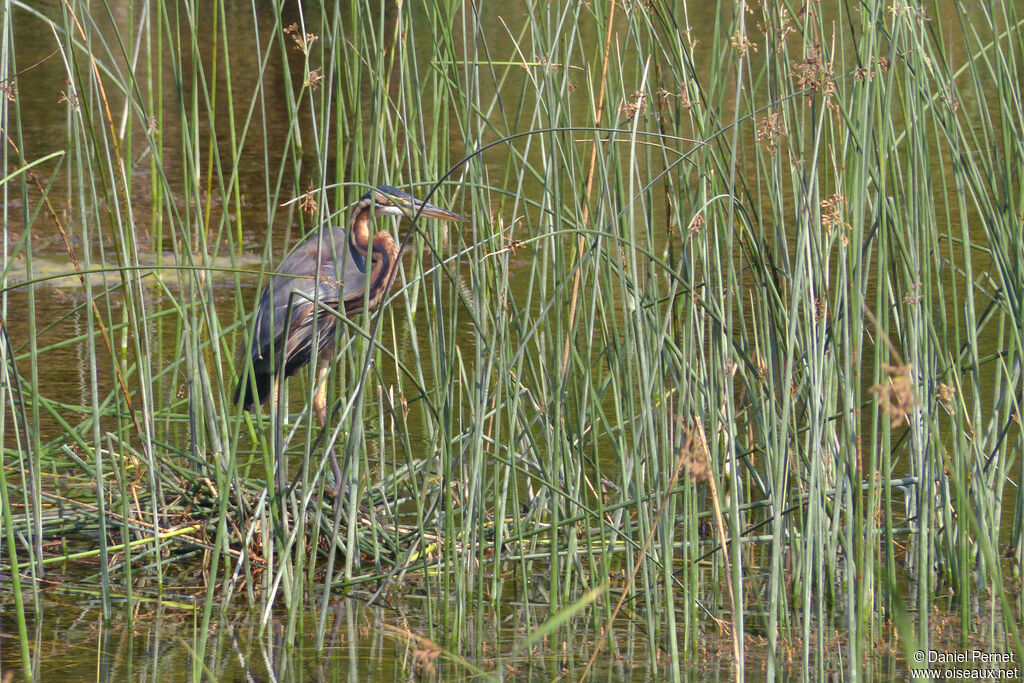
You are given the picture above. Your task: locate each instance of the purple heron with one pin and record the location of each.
(347, 270)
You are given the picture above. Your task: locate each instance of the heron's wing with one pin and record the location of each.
(322, 269)
(291, 323)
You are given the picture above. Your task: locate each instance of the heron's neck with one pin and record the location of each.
(359, 232)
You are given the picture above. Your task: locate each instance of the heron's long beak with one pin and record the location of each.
(425, 210)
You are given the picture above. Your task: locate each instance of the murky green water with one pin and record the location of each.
(155, 642)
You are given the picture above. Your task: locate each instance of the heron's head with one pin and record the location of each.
(390, 201)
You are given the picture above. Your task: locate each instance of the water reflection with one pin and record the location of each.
(153, 642)
(150, 642)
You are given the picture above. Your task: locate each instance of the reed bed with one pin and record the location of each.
(726, 363)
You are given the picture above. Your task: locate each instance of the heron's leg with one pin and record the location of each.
(273, 394)
(320, 397)
(275, 424)
(320, 406)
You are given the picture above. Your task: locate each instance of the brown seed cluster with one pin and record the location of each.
(635, 106)
(770, 130)
(895, 396)
(832, 216)
(742, 44)
(946, 393)
(696, 224)
(694, 455)
(913, 295)
(774, 21)
(307, 202)
(863, 73)
(313, 79)
(303, 41)
(814, 75)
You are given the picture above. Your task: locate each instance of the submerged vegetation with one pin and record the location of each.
(725, 364)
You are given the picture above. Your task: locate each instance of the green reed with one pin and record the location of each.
(729, 349)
